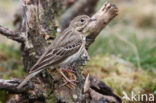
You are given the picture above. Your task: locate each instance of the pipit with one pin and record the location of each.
(67, 48)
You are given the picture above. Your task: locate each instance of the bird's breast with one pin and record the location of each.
(75, 56)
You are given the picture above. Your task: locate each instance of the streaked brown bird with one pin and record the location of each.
(67, 48)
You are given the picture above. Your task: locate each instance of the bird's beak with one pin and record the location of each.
(92, 19)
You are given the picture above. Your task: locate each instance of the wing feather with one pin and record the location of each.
(59, 50)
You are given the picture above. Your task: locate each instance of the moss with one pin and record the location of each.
(120, 74)
(3, 96)
(51, 98)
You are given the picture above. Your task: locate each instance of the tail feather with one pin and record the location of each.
(28, 78)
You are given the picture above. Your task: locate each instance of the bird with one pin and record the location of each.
(67, 48)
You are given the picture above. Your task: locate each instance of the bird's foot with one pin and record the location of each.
(71, 80)
(68, 70)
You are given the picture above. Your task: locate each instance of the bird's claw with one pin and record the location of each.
(70, 73)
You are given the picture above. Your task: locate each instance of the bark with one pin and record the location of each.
(17, 36)
(39, 29)
(10, 85)
(103, 17)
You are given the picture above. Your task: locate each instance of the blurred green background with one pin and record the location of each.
(123, 55)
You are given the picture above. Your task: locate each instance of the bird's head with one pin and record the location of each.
(80, 22)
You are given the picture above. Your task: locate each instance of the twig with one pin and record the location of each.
(17, 36)
(28, 90)
(10, 86)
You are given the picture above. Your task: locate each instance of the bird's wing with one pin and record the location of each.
(61, 48)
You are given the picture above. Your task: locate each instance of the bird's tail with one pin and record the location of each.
(28, 78)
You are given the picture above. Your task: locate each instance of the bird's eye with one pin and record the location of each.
(82, 20)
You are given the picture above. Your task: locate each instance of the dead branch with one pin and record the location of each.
(101, 92)
(17, 36)
(103, 17)
(78, 8)
(10, 86)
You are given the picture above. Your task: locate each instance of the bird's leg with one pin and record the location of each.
(68, 70)
(70, 73)
(66, 78)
